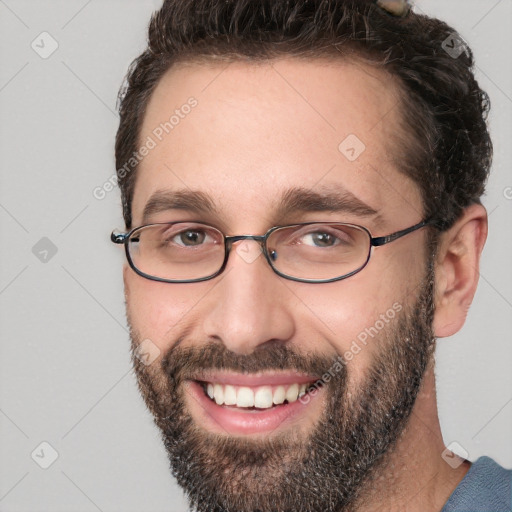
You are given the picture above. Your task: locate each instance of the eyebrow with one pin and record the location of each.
(190, 200)
(331, 198)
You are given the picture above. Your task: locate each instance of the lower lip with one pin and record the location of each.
(238, 421)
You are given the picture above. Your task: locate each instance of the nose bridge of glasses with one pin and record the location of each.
(230, 240)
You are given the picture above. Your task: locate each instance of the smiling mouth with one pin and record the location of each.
(240, 404)
(255, 397)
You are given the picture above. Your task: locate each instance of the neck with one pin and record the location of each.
(414, 476)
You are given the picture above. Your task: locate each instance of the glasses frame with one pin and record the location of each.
(229, 240)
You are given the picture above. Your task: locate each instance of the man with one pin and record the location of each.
(301, 189)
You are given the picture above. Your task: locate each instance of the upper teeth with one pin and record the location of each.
(262, 397)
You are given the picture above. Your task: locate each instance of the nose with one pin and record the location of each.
(249, 305)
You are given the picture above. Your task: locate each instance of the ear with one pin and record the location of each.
(457, 269)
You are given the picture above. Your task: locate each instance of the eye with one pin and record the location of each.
(190, 237)
(328, 236)
(320, 239)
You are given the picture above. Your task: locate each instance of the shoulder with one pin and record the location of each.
(486, 487)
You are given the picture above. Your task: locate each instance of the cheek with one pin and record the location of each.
(159, 311)
(357, 316)
(349, 317)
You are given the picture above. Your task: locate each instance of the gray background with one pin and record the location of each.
(65, 368)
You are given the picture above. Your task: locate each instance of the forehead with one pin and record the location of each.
(244, 133)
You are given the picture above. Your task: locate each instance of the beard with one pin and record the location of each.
(330, 468)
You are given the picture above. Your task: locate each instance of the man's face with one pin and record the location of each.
(259, 134)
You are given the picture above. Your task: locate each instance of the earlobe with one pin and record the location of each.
(457, 270)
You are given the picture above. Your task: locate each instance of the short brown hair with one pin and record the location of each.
(447, 150)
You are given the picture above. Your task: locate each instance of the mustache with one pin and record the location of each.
(181, 363)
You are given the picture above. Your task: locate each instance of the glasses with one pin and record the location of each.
(310, 252)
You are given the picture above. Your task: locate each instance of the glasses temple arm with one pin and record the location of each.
(383, 240)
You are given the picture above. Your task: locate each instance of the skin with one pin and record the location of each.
(257, 131)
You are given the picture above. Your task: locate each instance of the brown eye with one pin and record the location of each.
(191, 237)
(327, 237)
(321, 239)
